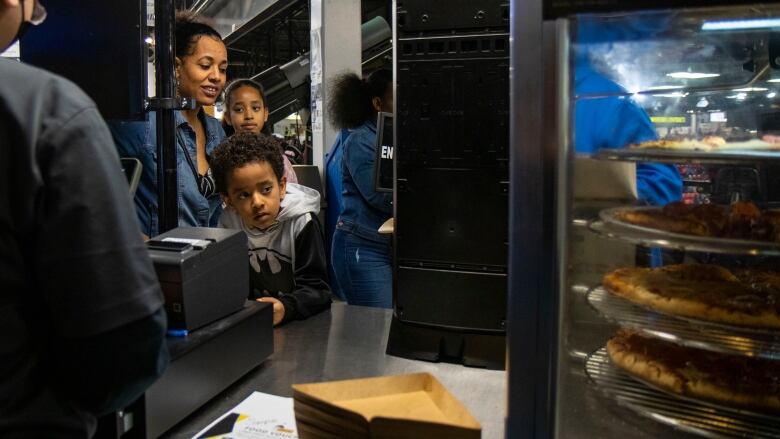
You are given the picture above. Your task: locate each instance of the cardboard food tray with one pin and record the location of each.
(327, 421)
(410, 406)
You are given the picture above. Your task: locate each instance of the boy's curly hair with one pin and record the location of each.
(241, 149)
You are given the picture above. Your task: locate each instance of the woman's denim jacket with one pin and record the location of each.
(138, 139)
(364, 209)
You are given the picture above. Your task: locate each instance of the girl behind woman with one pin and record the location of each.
(245, 111)
(201, 63)
(360, 256)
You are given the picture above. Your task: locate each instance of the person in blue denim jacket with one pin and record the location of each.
(333, 189)
(201, 63)
(361, 257)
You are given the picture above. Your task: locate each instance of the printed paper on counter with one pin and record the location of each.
(260, 416)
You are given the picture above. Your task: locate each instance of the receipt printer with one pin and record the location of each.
(203, 273)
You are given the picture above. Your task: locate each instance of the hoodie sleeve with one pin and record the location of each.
(311, 294)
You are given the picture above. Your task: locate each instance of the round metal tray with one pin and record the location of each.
(726, 339)
(685, 414)
(725, 156)
(610, 226)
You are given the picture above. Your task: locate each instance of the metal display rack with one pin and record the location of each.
(687, 332)
(686, 414)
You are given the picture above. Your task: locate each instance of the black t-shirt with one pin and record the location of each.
(72, 262)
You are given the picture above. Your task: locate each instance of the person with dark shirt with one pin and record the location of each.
(82, 327)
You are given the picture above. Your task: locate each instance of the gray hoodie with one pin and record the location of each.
(287, 261)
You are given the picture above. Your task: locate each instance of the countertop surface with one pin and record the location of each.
(349, 342)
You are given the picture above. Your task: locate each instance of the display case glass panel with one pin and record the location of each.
(668, 182)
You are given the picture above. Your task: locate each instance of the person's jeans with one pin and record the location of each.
(363, 270)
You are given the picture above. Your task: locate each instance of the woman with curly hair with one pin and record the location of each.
(360, 257)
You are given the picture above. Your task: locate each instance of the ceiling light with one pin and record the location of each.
(675, 94)
(751, 89)
(692, 75)
(771, 94)
(703, 103)
(759, 23)
(739, 96)
(774, 80)
(665, 87)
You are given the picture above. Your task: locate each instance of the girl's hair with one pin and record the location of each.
(233, 86)
(189, 29)
(350, 102)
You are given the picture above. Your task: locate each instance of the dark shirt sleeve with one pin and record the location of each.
(311, 293)
(94, 273)
(359, 157)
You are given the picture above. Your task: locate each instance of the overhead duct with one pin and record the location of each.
(287, 88)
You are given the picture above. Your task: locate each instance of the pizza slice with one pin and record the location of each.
(730, 380)
(710, 293)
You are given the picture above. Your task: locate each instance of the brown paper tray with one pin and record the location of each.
(410, 406)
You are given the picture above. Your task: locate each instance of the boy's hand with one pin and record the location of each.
(278, 308)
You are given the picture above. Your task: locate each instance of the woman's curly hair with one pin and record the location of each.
(350, 103)
(241, 149)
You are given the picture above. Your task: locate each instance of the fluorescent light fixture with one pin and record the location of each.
(692, 75)
(665, 87)
(739, 96)
(703, 103)
(771, 94)
(751, 89)
(675, 94)
(758, 23)
(774, 80)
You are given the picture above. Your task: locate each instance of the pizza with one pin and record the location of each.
(745, 297)
(708, 144)
(741, 220)
(731, 380)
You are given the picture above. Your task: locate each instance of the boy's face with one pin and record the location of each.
(255, 193)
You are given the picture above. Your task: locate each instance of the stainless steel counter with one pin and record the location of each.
(349, 342)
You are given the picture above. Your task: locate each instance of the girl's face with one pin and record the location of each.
(247, 111)
(201, 74)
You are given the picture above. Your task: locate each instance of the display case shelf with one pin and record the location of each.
(685, 414)
(725, 157)
(692, 333)
(609, 226)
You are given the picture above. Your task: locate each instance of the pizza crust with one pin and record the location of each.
(708, 144)
(643, 367)
(704, 292)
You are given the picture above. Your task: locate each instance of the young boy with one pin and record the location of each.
(286, 251)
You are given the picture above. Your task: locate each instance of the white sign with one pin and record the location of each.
(718, 116)
(150, 12)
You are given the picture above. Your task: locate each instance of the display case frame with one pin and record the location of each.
(542, 224)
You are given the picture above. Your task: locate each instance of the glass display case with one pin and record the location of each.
(644, 237)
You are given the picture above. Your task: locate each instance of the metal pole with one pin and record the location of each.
(167, 197)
